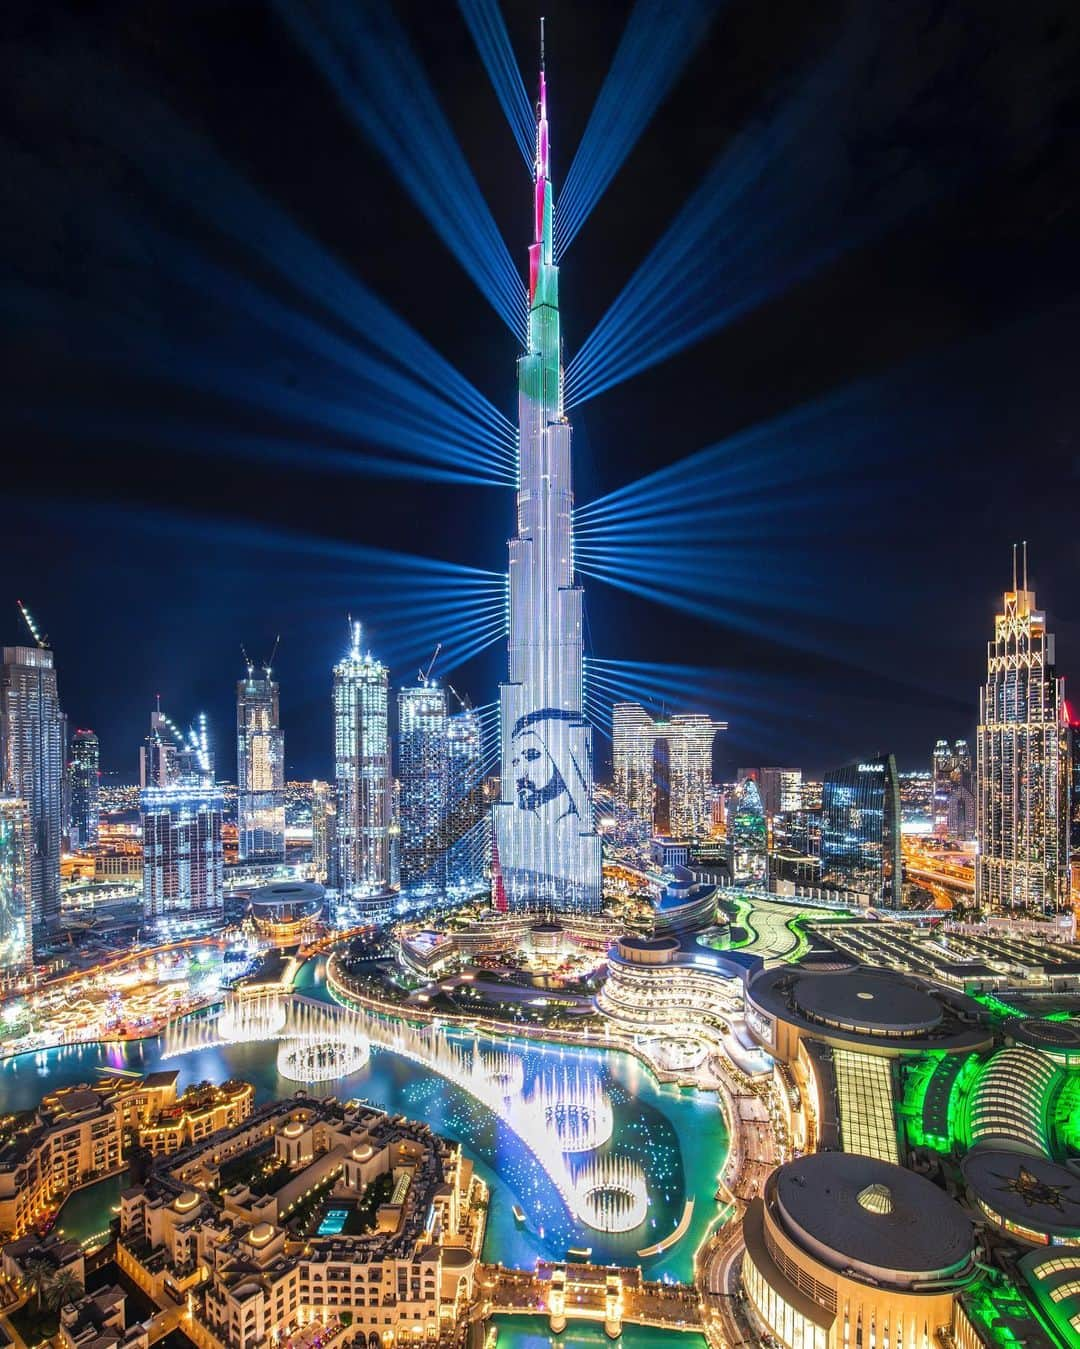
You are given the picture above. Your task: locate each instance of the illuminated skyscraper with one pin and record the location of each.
(780, 789)
(633, 742)
(85, 773)
(182, 851)
(15, 916)
(1023, 770)
(158, 753)
(260, 770)
(323, 812)
(361, 771)
(689, 739)
(547, 849)
(747, 834)
(181, 811)
(860, 831)
(423, 776)
(468, 840)
(32, 758)
(942, 765)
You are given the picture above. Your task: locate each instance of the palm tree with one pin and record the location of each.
(38, 1271)
(64, 1287)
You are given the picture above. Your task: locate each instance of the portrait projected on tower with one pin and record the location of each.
(547, 853)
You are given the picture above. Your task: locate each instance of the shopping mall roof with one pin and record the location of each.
(878, 1219)
(1025, 1192)
(865, 1001)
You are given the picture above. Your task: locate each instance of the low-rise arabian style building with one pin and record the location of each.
(311, 1222)
(202, 1110)
(75, 1135)
(846, 1250)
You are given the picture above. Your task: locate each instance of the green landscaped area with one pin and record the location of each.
(260, 1171)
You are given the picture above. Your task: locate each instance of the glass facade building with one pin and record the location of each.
(1022, 766)
(15, 915)
(747, 834)
(182, 851)
(85, 774)
(468, 838)
(362, 780)
(860, 831)
(633, 741)
(688, 738)
(323, 813)
(547, 851)
(33, 745)
(260, 770)
(424, 785)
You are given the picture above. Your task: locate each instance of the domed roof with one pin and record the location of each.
(851, 1211)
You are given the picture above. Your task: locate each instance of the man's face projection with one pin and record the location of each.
(542, 764)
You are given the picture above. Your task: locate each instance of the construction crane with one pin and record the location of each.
(425, 675)
(41, 641)
(266, 668)
(464, 703)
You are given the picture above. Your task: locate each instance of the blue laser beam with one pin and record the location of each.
(778, 205)
(392, 412)
(369, 63)
(656, 44)
(485, 23)
(198, 180)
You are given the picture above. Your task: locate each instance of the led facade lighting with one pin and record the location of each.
(860, 830)
(33, 733)
(1022, 807)
(84, 775)
(182, 851)
(423, 772)
(689, 738)
(547, 852)
(15, 913)
(260, 770)
(362, 771)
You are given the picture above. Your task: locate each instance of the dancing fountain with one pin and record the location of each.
(320, 1044)
(317, 1042)
(257, 1016)
(611, 1194)
(564, 1113)
(576, 1110)
(503, 1067)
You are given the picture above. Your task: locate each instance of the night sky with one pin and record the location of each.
(889, 303)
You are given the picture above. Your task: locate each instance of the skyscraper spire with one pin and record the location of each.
(548, 852)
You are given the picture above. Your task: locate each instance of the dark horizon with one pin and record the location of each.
(891, 389)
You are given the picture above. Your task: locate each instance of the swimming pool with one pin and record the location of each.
(333, 1222)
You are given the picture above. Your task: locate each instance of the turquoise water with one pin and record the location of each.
(333, 1223)
(531, 1332)
(678, 1137)
(89, 1210)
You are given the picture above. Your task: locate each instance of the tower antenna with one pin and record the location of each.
(1025, 564)
(541, 42)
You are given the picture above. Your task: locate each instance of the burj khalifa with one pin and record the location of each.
(547, 852)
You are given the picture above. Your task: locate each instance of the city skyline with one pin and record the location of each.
(571, 959)
(282, 557)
